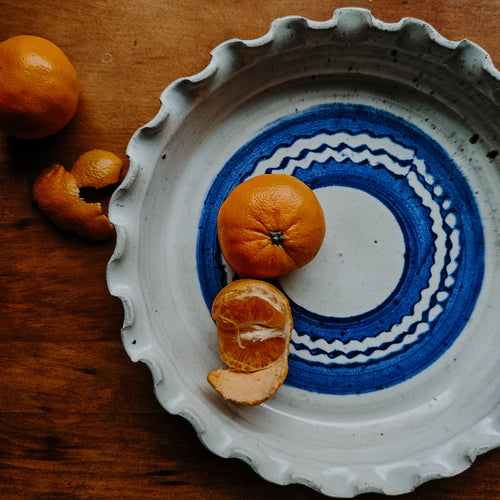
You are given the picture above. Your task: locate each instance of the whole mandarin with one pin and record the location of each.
(270, 225)
(39, 87)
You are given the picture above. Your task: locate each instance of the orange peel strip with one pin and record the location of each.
(57, 194)
(250, 388)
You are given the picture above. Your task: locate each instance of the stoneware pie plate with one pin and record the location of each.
(394, 360)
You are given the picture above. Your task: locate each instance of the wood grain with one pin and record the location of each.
(78, 419)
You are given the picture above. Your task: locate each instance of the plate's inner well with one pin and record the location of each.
(402, 263)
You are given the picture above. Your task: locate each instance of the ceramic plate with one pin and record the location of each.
(394, 357)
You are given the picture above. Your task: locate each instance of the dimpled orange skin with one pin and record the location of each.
(270, 225)
(97, 168)
(39, 88)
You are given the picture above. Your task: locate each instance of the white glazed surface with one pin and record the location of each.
(433, 424)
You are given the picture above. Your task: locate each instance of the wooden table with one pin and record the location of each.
(78, 419)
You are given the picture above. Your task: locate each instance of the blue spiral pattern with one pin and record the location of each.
(377, 152)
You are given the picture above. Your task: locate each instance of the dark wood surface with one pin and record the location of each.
(78, 419)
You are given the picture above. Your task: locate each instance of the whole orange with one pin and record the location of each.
(39, 88)
(270, 225)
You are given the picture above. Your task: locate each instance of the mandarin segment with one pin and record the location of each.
(270, 225)
(254, 327)
(254, 324)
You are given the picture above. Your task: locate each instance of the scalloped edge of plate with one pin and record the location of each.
(471, 63)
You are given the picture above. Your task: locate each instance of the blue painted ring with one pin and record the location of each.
(374, 151)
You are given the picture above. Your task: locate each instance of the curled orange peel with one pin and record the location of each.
(57, 193)
(250, 388)
(97, 168)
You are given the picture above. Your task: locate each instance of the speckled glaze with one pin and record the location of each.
(394, 361)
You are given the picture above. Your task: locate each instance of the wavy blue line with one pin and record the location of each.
(352, 354)
(376, 152)
(299, 346)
